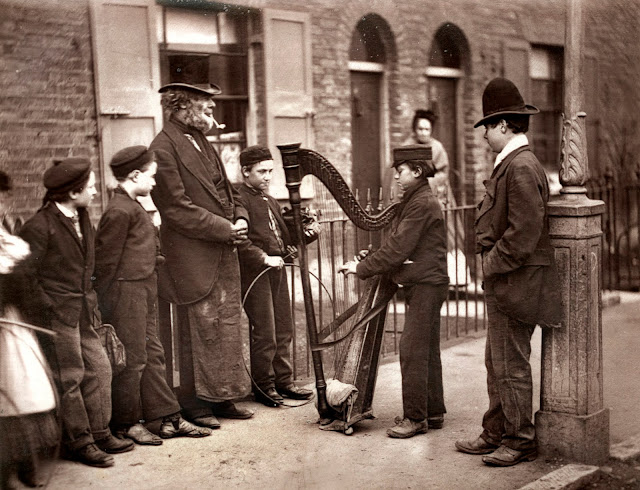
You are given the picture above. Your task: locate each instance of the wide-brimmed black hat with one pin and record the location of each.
(209, 89)
(502, 97)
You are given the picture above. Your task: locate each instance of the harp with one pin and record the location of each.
(359, 329)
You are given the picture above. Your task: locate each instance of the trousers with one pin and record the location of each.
(508, 420)
(140, 391)
(82, 375)
(268, 307)
(420, 363)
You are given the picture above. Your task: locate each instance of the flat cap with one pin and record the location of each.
(254, 154)
(209, 89)
(68, 174)
(129, 159)
(411, 152)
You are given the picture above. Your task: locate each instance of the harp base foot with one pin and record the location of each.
(337, 426)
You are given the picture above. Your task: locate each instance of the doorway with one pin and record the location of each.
(365, 135)
(443, 100)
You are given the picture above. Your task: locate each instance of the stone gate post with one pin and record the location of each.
(572, 422)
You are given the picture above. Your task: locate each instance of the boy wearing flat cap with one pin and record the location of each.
(415, 256)
(127, 251)
(520, 279)
(267, 304)
(58, 276)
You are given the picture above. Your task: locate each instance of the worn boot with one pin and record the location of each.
(406, 428)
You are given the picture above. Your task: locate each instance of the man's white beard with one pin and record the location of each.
(201, 122)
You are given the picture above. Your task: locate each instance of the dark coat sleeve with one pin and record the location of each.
(110, 242)
(399, 245)
(525, 221)
(37, 301)
(251, 256)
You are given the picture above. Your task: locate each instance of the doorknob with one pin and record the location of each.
(357, 104)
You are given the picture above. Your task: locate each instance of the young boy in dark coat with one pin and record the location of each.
(415, 256)
(61, 297)
(267, 305)
(127, 250)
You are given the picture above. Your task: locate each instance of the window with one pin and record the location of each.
(545, 72)
(210, 46)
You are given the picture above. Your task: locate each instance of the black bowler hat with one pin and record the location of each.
(209, 89)
(66, 175)
(129, 159)
(502, 97)
(254, 154)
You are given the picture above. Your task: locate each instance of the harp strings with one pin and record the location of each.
(336, 244)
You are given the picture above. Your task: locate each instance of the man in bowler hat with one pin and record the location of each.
(520, 279)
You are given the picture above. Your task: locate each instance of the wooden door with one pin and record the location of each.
(442, 94)
(127, 77)
(289, 88)
(365, 134)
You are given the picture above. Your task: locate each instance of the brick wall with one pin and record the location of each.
(47, 105)
(612, 36)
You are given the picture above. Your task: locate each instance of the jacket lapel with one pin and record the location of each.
(192, 159)
(490, 185)
(67, 224)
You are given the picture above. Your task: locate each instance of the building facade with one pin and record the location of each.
(81, 77)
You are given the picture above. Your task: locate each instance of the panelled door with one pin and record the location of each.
(365, 134)
(288, 88)
(443, 95)
(127, 76)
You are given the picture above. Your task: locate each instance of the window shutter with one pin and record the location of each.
(288, 87)
(516, 65)
(127, 76)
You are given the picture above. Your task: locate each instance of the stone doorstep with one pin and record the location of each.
(627, 450)
(576, 476)
(610, 298)
(569, 477)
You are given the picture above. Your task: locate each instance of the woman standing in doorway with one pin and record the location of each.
(422, 134)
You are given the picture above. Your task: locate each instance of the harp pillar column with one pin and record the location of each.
(573, 422)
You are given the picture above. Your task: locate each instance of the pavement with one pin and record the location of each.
(283, 448)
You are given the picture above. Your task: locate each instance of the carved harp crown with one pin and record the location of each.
(298, 162)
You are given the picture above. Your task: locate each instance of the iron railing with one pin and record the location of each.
(462, 314)
(620, 251)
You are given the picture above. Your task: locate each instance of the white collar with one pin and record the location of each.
(518, 141)
(69, 213)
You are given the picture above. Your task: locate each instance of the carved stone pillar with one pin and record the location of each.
(572, 421)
